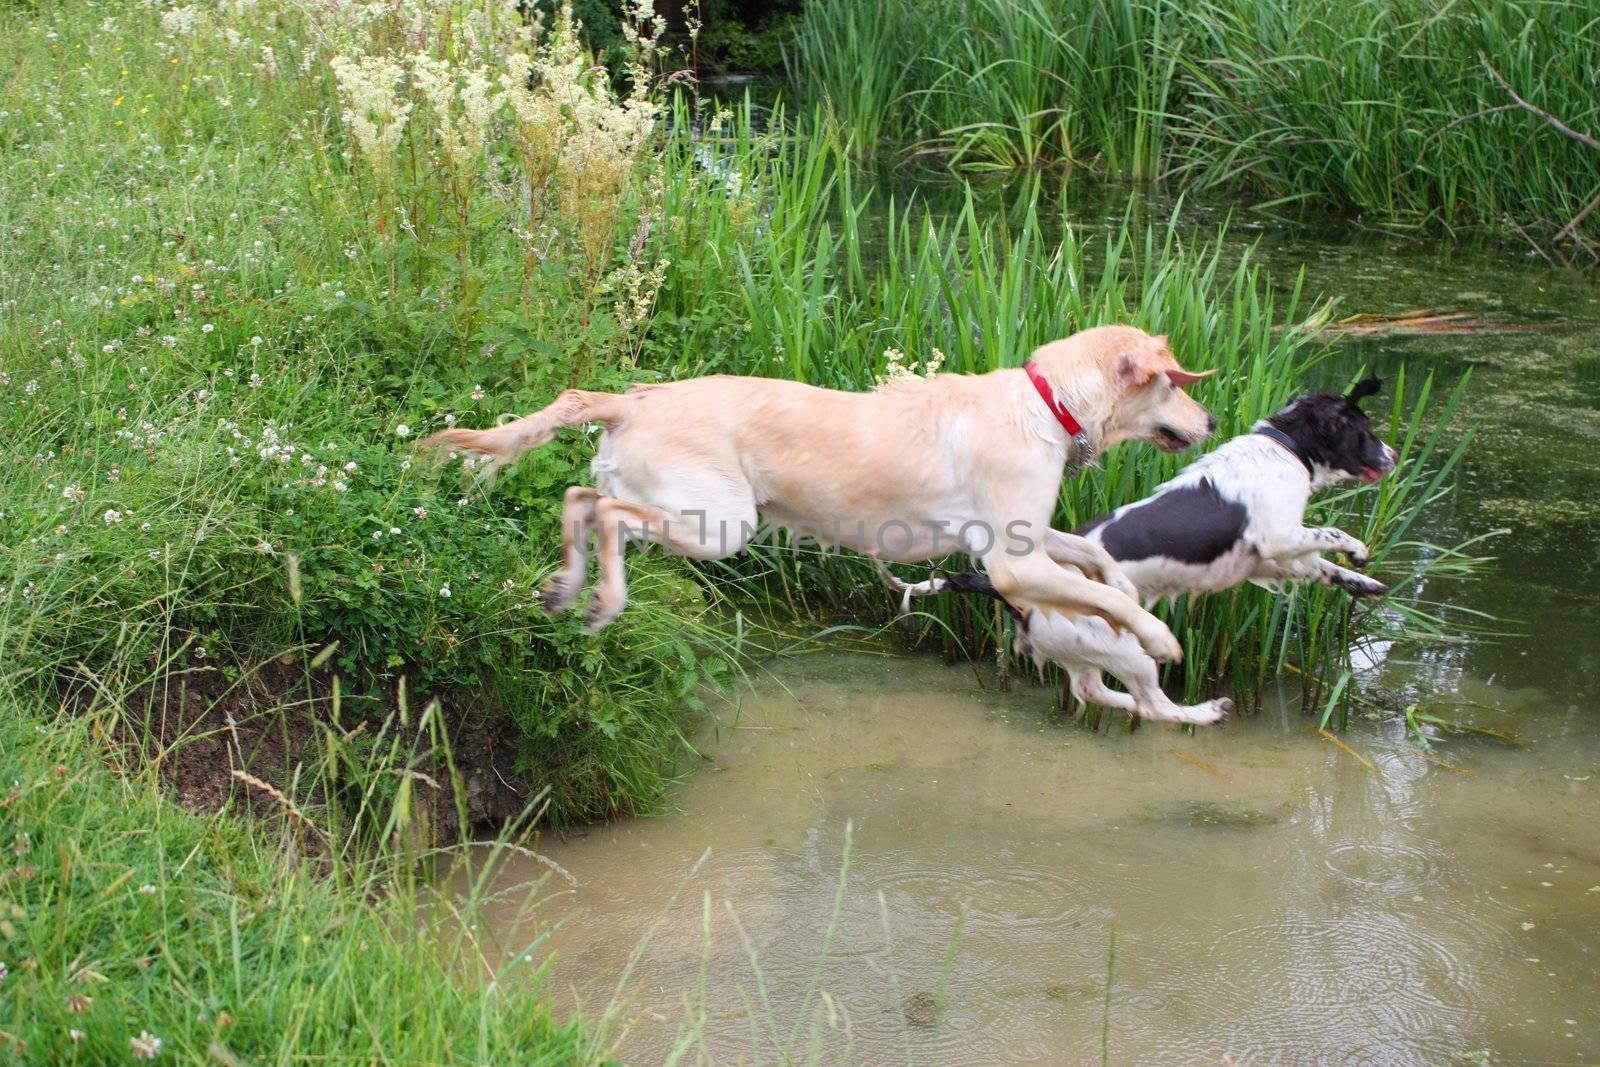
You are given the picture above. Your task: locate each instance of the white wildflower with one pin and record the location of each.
(375, 107)
(179, 21)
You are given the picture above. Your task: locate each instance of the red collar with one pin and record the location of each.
(1057, 408)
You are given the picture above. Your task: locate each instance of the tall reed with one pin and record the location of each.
(1393, 108)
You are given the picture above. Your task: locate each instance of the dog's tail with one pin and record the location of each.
(506, 443)
(960, 582)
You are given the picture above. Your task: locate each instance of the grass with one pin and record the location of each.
(216, 362)
(1388, 108)
(126, 916)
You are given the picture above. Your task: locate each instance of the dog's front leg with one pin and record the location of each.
(1321, 570)
(1034, 581)
(1305, 540)
(1091, 558)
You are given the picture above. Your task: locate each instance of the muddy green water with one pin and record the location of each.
(885, 860)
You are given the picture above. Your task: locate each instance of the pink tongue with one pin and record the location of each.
(1370, 475)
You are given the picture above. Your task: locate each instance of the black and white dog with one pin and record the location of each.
(1236, 514)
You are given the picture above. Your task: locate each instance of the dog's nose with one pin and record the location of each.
(1390, 457)
(1211, 422)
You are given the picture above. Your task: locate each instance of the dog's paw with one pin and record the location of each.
(557, 594)
(1359, 556)
(1206, 713)
(599, 614)
(1360, 585)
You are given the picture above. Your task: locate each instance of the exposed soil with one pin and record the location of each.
(202, 730)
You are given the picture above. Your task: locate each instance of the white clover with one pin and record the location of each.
(112, 516)
(444, 592)
(402, 430)
(146, 1046)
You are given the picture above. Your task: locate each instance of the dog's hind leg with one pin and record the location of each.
(1089, 687)
(1036, 582)
(1138, 672)
(577, 523)
(1085, 647)
(699, 533)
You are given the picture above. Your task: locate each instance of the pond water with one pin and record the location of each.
(886, 860)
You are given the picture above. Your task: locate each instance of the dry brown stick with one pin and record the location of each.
(1571, 228)
(1588, 139)
(1582, 138)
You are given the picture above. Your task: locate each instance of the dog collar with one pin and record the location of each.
(1274, 434)
(1083, 447)
(1057, 408)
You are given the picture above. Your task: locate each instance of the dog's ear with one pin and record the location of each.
(1366, 387)
(1185, 378)
(1136, 366)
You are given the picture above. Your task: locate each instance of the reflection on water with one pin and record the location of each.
(1273, 899)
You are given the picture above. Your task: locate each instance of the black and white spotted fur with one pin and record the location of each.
(1234, 515)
